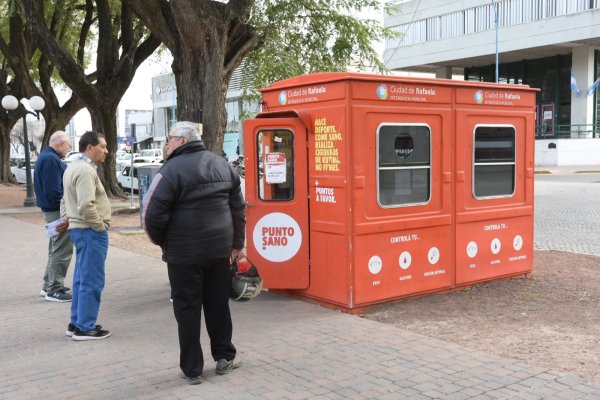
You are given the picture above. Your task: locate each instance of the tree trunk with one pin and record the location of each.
(104, 121)
(5, 173)
(196, 89)
(7, 121)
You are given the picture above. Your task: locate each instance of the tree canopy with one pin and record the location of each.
(27, 72)
(307, 36)
(120, 46)
(278, 38)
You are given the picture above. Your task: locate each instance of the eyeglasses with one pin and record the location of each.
(170, 137)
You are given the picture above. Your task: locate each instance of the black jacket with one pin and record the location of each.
(194, 209)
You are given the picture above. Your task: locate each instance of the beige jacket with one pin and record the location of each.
(84, 203)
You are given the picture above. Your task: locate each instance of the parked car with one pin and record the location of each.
(19, 172)
(151, 155)
(72, 155)
(125, 177)
(123, 159)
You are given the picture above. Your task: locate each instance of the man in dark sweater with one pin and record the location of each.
(48, 173)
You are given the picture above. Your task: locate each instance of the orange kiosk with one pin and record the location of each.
(363, 188)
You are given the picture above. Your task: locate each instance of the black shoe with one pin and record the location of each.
(59, 297)
(94, 334)
(192, 380)
(65, 289)
(71, 329)
(224, 367)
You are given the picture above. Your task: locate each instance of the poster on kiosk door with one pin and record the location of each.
(275, 168)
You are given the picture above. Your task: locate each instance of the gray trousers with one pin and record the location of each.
(60, 250)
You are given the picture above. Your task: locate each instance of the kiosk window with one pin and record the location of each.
(494, 161)
(275, 167)
(404, 165)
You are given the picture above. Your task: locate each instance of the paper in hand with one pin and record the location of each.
(51, 228)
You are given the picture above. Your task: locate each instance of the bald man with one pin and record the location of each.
(48, 174)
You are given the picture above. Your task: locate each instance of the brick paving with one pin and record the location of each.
(290, 349)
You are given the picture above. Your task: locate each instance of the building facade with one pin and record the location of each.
(553, 45)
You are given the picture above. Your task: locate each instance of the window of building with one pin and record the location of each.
(494, 161)
(404, 165)
(171, 117)
(275, 167)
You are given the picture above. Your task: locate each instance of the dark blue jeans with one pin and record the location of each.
(88, 279)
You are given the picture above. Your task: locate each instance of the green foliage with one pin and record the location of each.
(65, 17)
(308, 36)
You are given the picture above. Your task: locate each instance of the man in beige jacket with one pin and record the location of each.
(87, 208)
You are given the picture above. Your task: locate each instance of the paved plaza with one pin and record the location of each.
(290, 349)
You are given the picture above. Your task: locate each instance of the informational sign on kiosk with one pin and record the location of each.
(275, 168)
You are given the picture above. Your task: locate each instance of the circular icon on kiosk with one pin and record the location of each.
(478, 96)
(282, 97)
(518, 242)
(382, 91)
(405, 260)
(496, 246)
(433, 256)
(277, 237)
(375, 265)
(472, 249)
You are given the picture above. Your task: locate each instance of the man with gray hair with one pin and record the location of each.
(48, 174)
(194, 210)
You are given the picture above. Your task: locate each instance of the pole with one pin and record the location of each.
(133, 139)
(495, 4)
(30, 198)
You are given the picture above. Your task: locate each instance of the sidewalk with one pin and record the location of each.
(566, 169)
(290, 349)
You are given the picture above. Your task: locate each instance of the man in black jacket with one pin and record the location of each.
(194, 210)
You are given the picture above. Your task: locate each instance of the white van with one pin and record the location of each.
(151, 155)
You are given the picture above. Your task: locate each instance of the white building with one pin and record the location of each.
(541, 43)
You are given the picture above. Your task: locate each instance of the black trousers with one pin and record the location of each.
(206, 284)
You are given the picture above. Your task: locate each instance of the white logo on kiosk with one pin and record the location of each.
(472, 249)
(375, 265)
(518, 242)
(405, 260)
(496, 245)
(277, 237)
(433, 256)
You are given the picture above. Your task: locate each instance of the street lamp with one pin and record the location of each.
(495, 5)
(10, 103)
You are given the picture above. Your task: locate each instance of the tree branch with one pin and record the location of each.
(104, 57)
(157, 16)
(243, 39)
(240, 9)
(85, 29)
(72, 73)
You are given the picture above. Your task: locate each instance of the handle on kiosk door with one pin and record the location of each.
(250, 204)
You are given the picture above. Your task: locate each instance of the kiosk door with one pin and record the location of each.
(277, 199)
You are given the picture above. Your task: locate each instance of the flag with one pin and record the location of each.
(593, 88)
(574, 86)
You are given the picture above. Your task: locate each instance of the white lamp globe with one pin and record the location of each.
(37, 103)
(10, 103)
